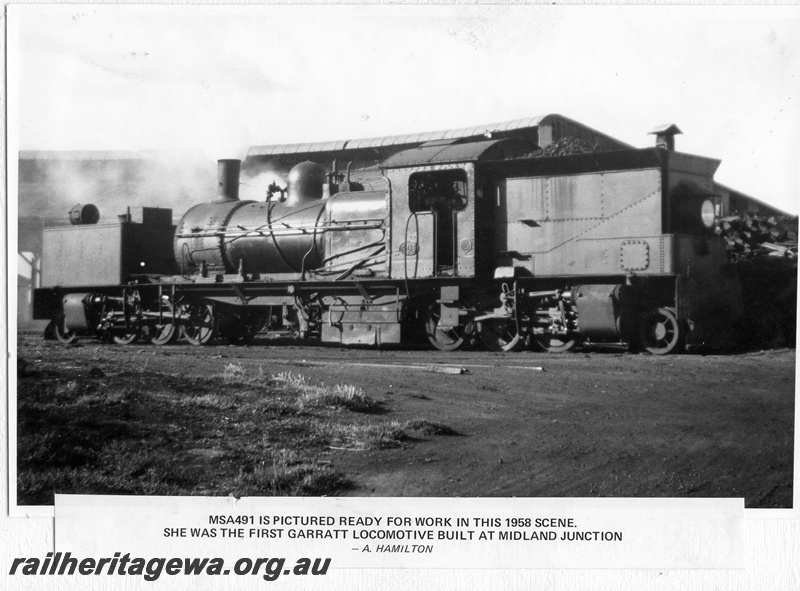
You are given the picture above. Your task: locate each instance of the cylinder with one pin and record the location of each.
(598, 311)
(228, 179)
(75, 317)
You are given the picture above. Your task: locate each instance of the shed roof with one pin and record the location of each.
(470, 152)
(399, 140)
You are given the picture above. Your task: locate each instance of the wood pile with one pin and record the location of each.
(751, 236)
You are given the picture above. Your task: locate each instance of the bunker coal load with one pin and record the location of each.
(565, 146)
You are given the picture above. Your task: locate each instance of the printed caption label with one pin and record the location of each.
(414, 533)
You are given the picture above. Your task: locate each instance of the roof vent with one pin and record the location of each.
(665, 136)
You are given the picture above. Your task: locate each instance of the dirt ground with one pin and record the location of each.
(591, 423)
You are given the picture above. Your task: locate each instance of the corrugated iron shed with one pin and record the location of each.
(526, 128)
(470, 152)
(394, 140)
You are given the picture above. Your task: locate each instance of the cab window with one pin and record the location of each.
(438, 190)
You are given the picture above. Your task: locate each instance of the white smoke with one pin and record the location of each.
(255, 184)
(113, 182)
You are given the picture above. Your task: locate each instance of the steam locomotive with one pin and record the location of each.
(454, 242)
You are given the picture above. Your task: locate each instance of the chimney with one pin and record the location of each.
(665, 136)
(228, 178)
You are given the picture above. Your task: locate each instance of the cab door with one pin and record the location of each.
(432, 223)
(437, 198)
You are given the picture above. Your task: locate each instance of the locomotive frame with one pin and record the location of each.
(467, 242)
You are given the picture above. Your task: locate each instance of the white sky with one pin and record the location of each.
(219, 79)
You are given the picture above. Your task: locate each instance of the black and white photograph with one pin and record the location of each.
(415, 252)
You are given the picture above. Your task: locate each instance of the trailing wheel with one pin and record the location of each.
(660, 331)
(500, 334)
(443, 338)
(201, 324)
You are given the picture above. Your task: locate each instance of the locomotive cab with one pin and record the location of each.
(434, 205)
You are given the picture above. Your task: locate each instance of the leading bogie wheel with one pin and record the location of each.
(660, 331)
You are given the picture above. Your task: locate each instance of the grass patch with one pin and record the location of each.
(286, 473)
(217, 401)
(382, 435)
(238, 432)
(340, 396)
(426, 427)
(236, 373)
(311, 396)
(291, 381)
(233, 372)
(141, 432)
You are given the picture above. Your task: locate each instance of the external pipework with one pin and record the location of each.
(228, 179)
(345, 185)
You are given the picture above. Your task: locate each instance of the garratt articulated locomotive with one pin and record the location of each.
(457, 241)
